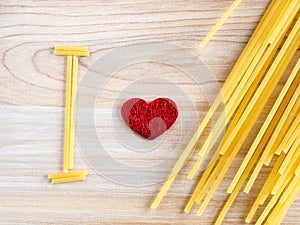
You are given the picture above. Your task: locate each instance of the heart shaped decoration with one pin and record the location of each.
(152, 119)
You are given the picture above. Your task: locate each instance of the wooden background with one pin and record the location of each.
(32, 105)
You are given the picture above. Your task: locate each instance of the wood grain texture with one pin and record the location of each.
(32, 88)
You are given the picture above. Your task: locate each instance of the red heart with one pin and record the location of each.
(152, 119)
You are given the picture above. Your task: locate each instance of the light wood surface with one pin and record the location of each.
(32, 85)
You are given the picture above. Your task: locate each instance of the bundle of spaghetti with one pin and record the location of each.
(234, 79)
(287, 92)
(264, 79)
(253, 75)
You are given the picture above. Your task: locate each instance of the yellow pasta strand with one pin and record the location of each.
(69, 174)
(71, 50)
(198, 189)
(281, 208)
(295, 182)
(72, 114)
(220, 23)
(290, 136)
(269, 207)
(163, 191)
(272, 179)
(266, 189)
(213, 189)
(297, 172)
(282, 179)
(68, 179)
(72, 53)
(291, 157)
(67, 113)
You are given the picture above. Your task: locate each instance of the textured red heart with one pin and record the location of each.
(152, 119)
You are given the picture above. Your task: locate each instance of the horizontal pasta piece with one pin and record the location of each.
(67, 175)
